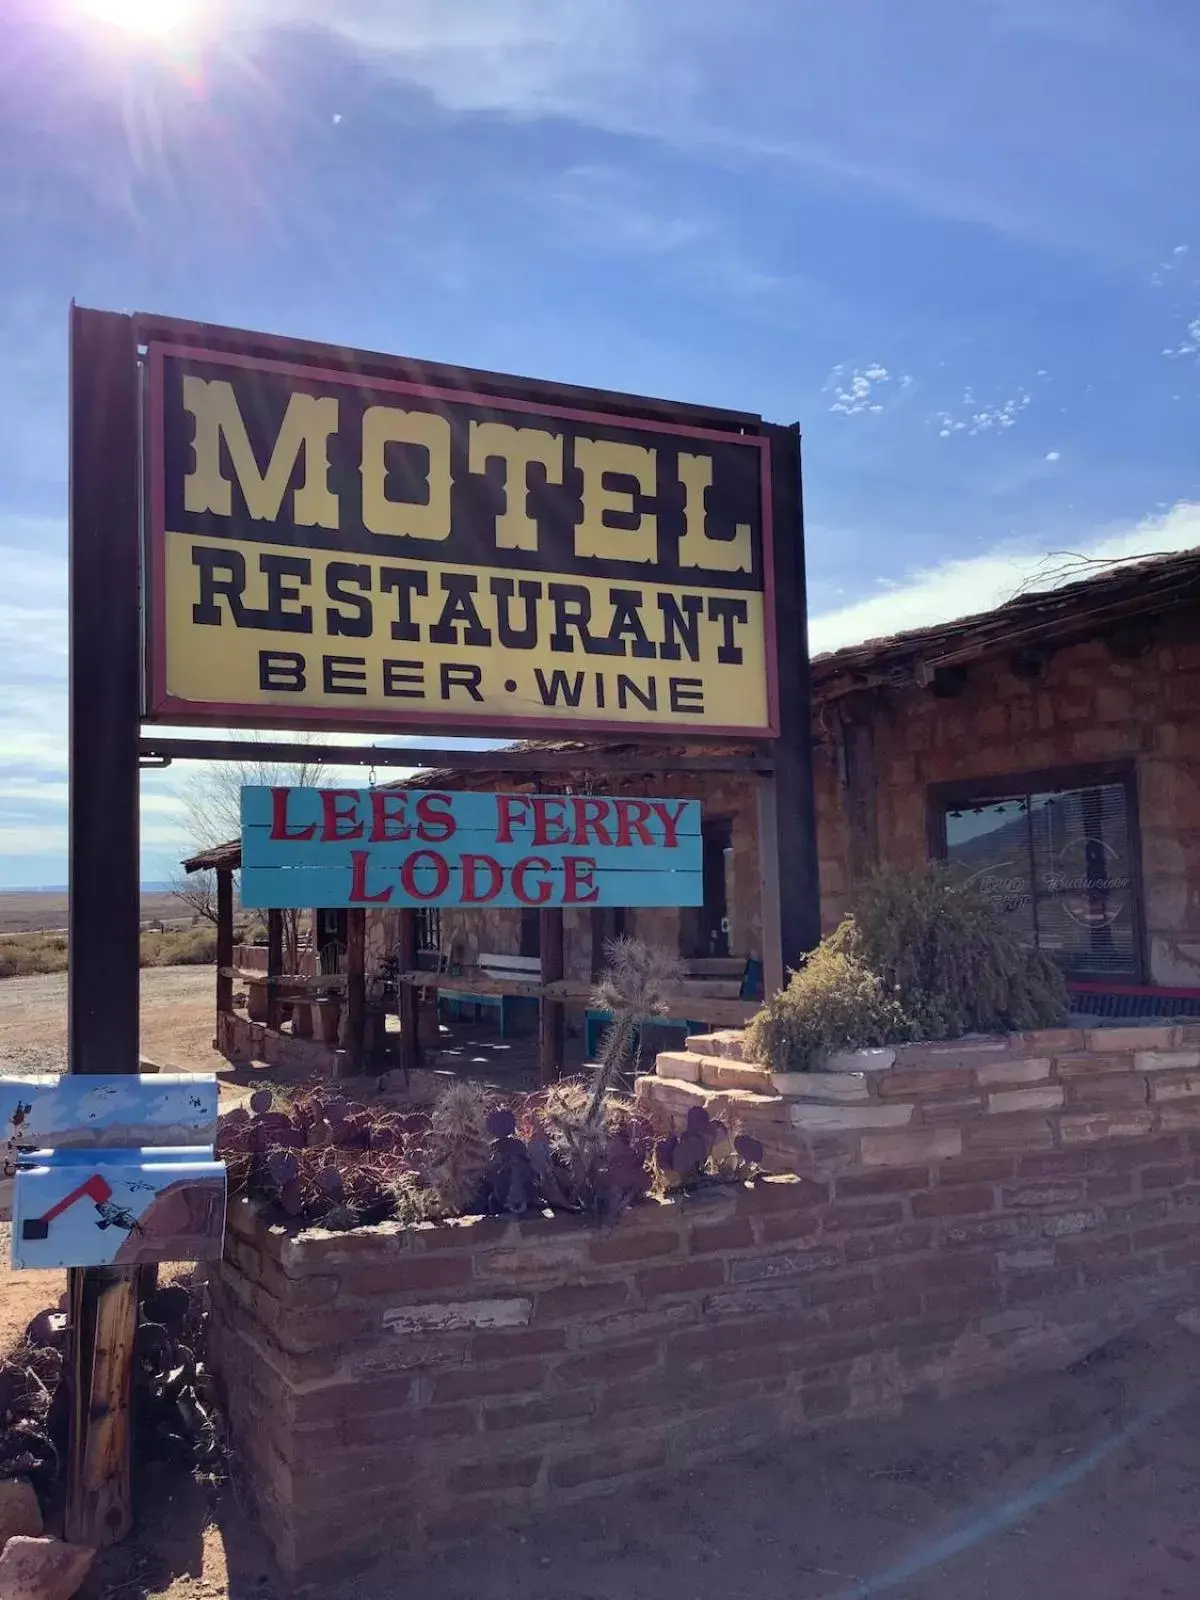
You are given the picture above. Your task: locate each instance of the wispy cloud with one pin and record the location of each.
(1189, 345)
(963, 588)
(862, 390)
(958, 118)
(606, 208)
(975, 418)
(1164, 271)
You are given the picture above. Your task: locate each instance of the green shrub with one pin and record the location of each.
(923, 956)
(947, 952)
(834, 1002)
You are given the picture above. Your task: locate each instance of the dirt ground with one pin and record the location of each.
(177, 1020)
(177, 1032)
(1069, 1486)
(28, 910)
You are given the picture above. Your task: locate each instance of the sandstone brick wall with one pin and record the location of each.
(239, 1039)
(393, 1387)
(1091, 705)
(1058, 1089)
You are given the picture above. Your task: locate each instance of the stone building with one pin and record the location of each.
(1051, 747)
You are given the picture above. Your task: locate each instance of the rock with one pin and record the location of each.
(1190, 1319)
(19, 1510)
(42, 1569)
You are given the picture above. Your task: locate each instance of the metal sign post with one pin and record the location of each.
(105, 906)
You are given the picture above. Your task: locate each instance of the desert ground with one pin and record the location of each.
(34, 910)
(177, 1020)
(177, 1032)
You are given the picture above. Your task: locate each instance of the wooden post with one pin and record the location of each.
(796, 827)
(860, 793)
(274, 965)
(774, 976)
(552, 1014)
(224, 943)
(105, 900)
(409, 999)
(356, 985)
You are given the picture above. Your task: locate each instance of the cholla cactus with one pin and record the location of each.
(459, 1146)
(634, 987)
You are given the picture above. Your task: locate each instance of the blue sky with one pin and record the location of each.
(957, 240)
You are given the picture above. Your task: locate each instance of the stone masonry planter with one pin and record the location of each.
(1055, 1089)
(393, 1388)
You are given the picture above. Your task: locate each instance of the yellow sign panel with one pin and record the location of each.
(337, 550)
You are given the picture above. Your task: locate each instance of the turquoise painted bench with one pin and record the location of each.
(595, 1023)
(455, 1004)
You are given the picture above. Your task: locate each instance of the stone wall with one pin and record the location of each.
(392, 1388)
(1059, 1089)
(1090, 705)
(240, 1040)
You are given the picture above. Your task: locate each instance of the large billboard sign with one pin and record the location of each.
(334, 549)
(385, 847)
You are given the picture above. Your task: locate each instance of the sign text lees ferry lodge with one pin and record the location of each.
(345, 550)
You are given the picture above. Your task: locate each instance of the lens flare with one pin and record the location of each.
(148, 19)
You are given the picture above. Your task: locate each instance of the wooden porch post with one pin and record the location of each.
(774, 975)
(552, 1014)
(408, 998)
(274, 965)
(224, 943)
(356, 984)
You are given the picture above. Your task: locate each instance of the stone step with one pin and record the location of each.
(715, 1072)
(729, 1043)
(676, 1098)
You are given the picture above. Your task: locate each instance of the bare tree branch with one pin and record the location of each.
(212, 799)
(198, 892)
(1059, 567)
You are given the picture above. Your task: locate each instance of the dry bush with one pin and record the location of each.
(923, 956)
(950, 957)
(26, 955)
(183, 947)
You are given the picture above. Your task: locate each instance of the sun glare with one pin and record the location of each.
(148, 19)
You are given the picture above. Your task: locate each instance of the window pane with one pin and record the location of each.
(1084, 879)
(989, 842)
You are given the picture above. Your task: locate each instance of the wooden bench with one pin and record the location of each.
(522, 968)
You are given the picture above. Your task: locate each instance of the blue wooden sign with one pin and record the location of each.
(112, 1170)
(400, 847)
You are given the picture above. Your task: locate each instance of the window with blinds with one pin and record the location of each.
(1059, 865)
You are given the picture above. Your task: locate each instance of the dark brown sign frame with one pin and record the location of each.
(107, 673)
